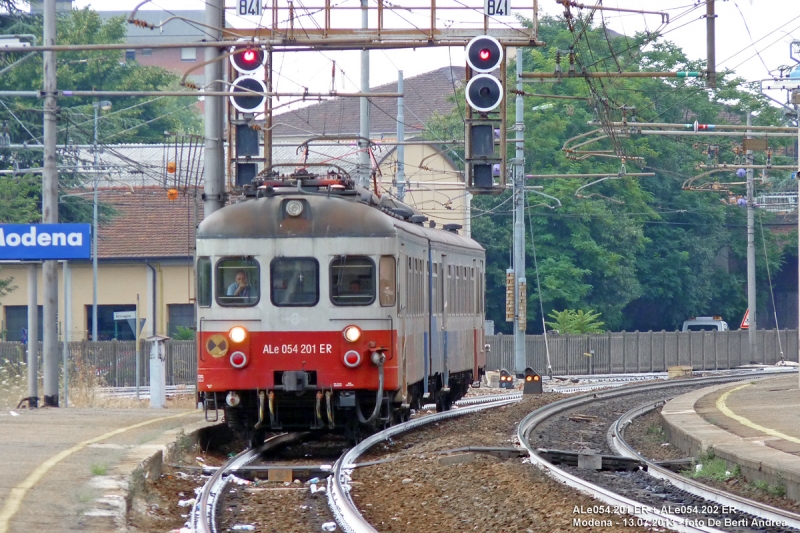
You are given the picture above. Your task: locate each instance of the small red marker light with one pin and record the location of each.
(485, 54)
(250, 56)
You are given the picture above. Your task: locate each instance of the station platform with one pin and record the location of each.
(754, 424)
(68, 469)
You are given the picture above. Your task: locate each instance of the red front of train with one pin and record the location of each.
(315, 312)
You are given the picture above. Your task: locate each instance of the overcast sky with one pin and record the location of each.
(753, 38)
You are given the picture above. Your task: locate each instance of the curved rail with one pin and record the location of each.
(203, 517)
(616, 441)
(634, 508)
(344, 510)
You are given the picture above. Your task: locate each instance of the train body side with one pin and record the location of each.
(425, 318)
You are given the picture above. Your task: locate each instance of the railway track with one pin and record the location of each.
(205, 514)
(661, 505)
(617, 442)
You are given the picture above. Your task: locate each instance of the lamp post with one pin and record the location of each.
(105, 105)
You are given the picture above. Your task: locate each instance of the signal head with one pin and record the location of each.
(484, 93)
(248, 102)
(247, 60)
(484, 53)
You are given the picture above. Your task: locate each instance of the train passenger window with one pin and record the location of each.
(352, 280)
(203, 281)
(294, 281)
(388, 284)
(238, 282)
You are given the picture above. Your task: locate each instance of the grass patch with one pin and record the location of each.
(99, 469)
(778, 490)
(657, 432)
(708, 466)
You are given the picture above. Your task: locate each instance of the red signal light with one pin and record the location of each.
(485, 54)
(249, 56)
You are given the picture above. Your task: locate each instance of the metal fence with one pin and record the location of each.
(652, 351)
(114, 362)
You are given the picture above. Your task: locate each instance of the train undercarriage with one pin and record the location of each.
(356, 413)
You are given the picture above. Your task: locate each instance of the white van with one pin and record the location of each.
(705, 323)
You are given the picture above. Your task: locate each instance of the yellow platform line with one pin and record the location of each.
(742, 420)
(18, 493)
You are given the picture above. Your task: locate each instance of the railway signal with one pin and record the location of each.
(484, 94)
(533, 382)
(506, 379)
(247, 60)
(250, 101)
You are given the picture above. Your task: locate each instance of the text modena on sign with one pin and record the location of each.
(39, 242)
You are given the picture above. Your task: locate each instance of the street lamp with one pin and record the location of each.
(105, 105)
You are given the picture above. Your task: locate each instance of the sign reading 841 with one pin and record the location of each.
(252, 7)
(495, 8)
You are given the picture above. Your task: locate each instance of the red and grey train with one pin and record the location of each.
(322, 306)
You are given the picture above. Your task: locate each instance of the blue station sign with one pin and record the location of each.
(39, 242)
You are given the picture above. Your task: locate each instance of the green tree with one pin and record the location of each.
(571, 322)
(645, 253)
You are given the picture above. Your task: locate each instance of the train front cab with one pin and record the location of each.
(311, 345)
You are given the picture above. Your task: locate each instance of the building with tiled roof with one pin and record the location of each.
(146, 258)
(424, 96)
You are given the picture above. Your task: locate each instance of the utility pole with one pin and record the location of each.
(796, 101)
(711, 55)
(33, 336)
(520, 286)
(213, 114)
(751, 254)
(50, 211)
(363, 130)
(401, 136)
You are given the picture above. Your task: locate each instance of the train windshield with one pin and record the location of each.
(352, 280)
(238, 282)
(295, 281)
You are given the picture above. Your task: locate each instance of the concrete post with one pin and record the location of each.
(401, 136)
(33, 336)
(363, 130)
(158, 371)
(519, 230)
(50, 211)
(751, 255)
(213, 113)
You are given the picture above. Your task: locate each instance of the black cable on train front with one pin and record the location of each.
(378, 358)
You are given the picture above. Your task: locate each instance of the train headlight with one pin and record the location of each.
(351, 333)
(237, 334)
(294, 208)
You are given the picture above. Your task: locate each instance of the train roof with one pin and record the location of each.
(330, 215)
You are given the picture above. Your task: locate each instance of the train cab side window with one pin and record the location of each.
(294, 281)
(352, 280)
(388, 283)
(238, 282)
(204, 281)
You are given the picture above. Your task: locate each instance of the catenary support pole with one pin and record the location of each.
(33, 336)
(519, 230)
(401, 150)
(711, 55)
(213, 114)
(751, 256)
(67, 276)
(363, 129)
(50, 211)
